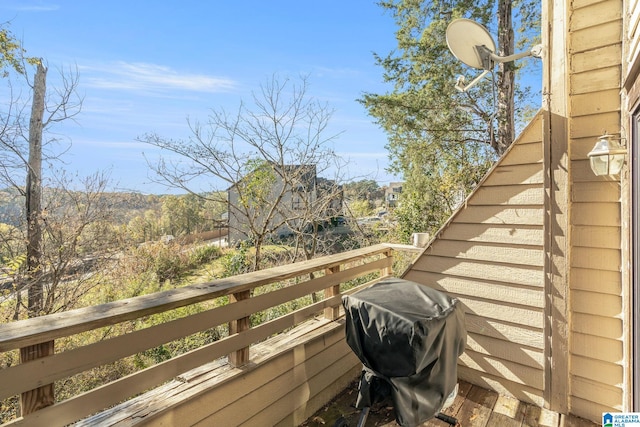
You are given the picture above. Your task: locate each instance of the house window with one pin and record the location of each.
(296, 202)
(297, 198)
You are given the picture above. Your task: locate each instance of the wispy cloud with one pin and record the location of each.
(115, 145)
(336, 73)
(32, 7)
(144, 77)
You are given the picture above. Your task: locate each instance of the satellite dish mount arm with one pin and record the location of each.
(489, 59)
(460, 83)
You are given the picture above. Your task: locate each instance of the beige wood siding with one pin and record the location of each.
(490, 256)
(283, 390)
(632, 55)
(596, 340)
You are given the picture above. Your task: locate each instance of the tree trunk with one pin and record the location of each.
(34, 196)
(43, 396)
(506, 78)
(257, 259)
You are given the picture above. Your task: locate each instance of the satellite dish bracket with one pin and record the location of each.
(461, 35)
(486, 57)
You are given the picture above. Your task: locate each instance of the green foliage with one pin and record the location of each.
(181, 214)
(12, 53)
(238, 261)
(440, 140)
(146, 227)
(215, 206)
(175, 215)
(204, 254)
(14, 264)
(366, 189)
(360, 208)
(12, 248)
(167, 261)
(256, 188)
(436, 184)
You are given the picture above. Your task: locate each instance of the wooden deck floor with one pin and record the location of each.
(473, 407)
(477, 407)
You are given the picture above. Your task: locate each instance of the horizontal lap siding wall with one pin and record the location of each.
(632, 53)
(490, 256)
(286, 390)
(596, 342)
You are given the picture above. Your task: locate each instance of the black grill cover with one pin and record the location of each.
(409, 336)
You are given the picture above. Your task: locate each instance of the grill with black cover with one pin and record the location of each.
(409, 337)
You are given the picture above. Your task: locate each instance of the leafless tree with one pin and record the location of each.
(26, 143)
(63, 223)
(261, 158)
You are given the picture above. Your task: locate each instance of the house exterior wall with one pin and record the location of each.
(285, 211)
(235, 231)
(631, 191)
(539, 253)
(597, 362)
(292, 383)
(490, 256)
(392, 194)
(632, 38)
(240, 221)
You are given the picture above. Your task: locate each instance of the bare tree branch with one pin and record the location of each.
(259, 153)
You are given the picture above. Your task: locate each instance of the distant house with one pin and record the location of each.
(392, 195)
(331, 197)
(280, 200)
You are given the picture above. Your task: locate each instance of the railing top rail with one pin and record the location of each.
(32, 331)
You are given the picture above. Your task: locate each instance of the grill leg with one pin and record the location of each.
(447, 419)
(363, 416)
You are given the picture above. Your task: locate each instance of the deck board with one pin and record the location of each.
(477, 408)
(473, 407)
(507, 412)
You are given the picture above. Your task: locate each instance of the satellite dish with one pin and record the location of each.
(473, 45)
(463, 35)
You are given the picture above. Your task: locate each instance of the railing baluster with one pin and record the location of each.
(388, 271)
(332, 313)
(239, 357)
(41, 397)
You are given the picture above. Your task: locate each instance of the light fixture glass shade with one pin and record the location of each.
(607, 157)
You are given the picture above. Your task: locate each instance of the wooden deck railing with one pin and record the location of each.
(327, 272)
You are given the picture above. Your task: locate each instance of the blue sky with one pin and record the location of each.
(145, 66)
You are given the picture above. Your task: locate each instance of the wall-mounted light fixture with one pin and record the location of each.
(607, 156)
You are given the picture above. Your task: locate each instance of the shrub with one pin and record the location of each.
(203, 254)
(237, 262)
(166, 261)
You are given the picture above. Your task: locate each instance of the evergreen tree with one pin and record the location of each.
(440, 139)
